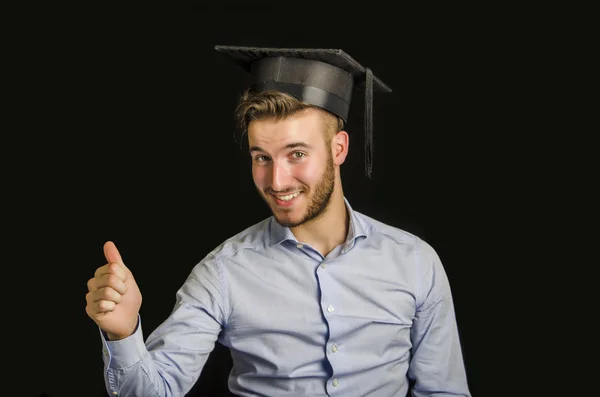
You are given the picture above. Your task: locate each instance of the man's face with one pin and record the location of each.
(292, 166)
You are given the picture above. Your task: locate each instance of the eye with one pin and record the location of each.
(297, 155)
(261, 159)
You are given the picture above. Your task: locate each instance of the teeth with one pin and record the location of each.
(288, 197)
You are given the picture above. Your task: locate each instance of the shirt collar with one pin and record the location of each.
(356, 229)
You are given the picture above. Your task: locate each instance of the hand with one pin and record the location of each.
(114, 299)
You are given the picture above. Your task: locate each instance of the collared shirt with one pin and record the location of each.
(361, 321)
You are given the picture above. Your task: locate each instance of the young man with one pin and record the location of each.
(317, 300)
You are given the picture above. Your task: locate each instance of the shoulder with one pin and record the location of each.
(410, 252)
(252, 238)
(379, 229)
(403, 239)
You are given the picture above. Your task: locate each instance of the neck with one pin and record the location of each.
(330, 229)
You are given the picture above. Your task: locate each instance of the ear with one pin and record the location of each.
(339, 147)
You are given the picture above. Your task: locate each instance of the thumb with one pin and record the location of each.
(111, 253)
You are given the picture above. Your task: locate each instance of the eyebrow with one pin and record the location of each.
(292, 145)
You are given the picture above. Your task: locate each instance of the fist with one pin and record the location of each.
(113, 298)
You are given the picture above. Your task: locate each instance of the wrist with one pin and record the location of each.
(122, 335)
(113, 337)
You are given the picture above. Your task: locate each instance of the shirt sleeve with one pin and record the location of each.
(174, 354)
(437, 366)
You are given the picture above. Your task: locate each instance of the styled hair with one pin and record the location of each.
(276, 105)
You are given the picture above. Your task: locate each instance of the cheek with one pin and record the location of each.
(258, 175)
(308, 173)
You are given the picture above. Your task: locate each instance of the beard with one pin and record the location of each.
(319, 201)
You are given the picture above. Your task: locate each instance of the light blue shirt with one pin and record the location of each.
(361, 321)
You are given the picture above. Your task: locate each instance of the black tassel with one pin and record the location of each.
(369, 123)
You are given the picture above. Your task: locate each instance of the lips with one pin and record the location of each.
(286, 200)
(286, 197)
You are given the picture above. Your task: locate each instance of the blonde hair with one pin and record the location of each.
(276, 105)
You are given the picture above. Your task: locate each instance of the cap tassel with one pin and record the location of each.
(369, 123)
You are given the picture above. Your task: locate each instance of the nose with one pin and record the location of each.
(281, 176)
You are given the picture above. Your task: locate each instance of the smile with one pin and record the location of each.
(288, 197)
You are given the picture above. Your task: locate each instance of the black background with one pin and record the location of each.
(126, 133)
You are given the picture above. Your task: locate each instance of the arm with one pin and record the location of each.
(436, 366)
(171, 360)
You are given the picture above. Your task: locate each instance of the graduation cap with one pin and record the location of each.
(325, 78)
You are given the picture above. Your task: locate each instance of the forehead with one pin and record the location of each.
(271, 134)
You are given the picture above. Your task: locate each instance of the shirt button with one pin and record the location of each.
(323, 265)
(299, 245)
(334, 348)
(335, 383)
(114, 393)
(330, 309)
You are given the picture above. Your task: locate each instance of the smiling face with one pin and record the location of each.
(292, 165)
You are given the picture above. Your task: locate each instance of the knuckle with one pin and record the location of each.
(112, 279)
(115, 295)
(105, 305)
(107, 293)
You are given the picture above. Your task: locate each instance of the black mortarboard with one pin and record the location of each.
(322, 77)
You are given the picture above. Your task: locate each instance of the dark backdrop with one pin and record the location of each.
(128, 135)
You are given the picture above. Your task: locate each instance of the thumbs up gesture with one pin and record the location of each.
(114, 299)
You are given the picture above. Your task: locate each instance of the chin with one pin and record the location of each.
(288, 218)
(287, 215)
(288, 222)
